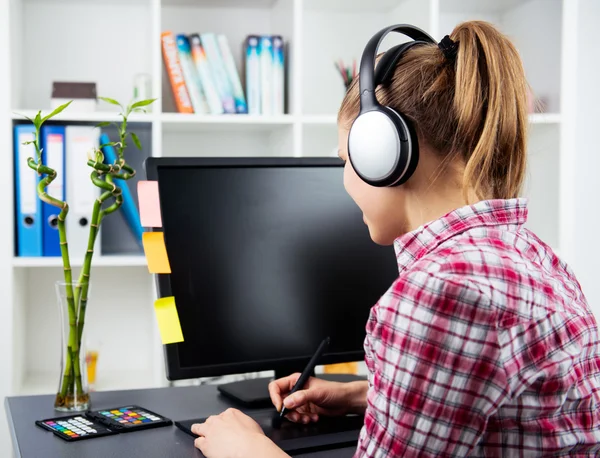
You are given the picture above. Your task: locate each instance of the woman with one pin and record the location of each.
(484, 345)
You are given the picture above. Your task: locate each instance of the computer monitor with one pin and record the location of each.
(268, 256)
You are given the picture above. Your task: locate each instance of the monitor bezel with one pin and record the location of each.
(174, 371)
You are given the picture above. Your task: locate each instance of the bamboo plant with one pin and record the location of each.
(102, 175)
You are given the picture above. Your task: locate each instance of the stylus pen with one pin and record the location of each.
(308, 370)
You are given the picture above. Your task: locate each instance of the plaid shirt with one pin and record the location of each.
(483, 346)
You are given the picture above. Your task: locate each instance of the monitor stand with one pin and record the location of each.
(254, 393)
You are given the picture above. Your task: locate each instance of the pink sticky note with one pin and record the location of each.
(149, 204)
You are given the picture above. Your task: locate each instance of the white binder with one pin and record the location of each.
(81, 141)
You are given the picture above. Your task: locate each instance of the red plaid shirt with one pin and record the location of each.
(483, 346)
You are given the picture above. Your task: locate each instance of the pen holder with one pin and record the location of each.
(348, 73)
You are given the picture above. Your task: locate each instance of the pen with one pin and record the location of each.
(308, 370)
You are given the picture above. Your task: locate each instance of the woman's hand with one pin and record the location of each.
(233, 434)
(319, 397)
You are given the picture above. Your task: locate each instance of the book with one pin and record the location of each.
(217, 67)
(252, 67)
(232, 73)
(278, 98)
(265, 56)
(190, 75)
(206, 78)
(183, 103)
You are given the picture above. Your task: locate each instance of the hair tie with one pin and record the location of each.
(448, 47)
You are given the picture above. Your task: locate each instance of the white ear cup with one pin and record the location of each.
(374, 146)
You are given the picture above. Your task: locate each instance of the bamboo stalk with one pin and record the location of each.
(108, 171)
(71, 367)
(97, 215)
(102, 176)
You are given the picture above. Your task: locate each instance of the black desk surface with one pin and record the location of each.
(179, 403)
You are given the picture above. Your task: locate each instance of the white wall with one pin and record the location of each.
(111, 295)
(540, 182)
(531, 26)
(342, 33)
(345, 41)
(65, 29)
(586, 155)
(541, 69)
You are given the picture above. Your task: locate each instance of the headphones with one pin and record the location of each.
(382, 144)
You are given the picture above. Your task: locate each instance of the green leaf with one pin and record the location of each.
(136, 140)
(26, 117)
(56, 111)
(113, 101)
(29, 143)
(37, 122)
(142, 103)
(103, 145)
(103, 124)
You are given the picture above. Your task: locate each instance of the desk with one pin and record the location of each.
(179, 403)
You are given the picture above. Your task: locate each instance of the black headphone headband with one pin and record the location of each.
(367, 63)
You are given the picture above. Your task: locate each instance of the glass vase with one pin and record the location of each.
(73, 391)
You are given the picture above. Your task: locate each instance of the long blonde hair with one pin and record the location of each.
(473, 107)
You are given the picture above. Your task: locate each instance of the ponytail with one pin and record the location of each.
(472, 106)
(490, 105)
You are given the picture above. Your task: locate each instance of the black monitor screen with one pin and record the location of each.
(266, 261)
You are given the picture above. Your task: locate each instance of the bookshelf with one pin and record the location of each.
(90, 117)
(99, 261)
(109, 42)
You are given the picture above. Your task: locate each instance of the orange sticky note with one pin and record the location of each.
(168, 320)
(156, 252)
(341, 368)
(149, 203)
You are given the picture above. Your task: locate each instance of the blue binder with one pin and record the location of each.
(53, 142)
(28, 205)
(128, 208)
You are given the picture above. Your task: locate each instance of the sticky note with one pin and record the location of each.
(149, 204)
(156, 252)
(168, 320)
(341, 368)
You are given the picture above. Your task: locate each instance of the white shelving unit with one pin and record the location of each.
(99, 261)
(109, 42)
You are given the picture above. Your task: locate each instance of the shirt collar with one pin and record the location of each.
(413, 245)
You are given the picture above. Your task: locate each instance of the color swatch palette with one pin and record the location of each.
(74, 428)
(129, 416)
(104, 422)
